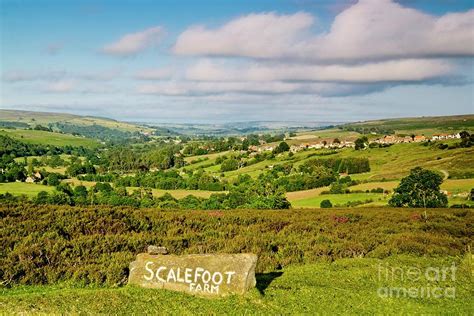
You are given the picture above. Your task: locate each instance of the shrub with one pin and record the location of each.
(325, 204)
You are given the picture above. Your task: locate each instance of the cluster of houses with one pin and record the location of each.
(322, 144)
(393, 139)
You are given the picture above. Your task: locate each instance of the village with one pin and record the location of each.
(350, 142)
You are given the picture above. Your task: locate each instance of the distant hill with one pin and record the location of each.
(45, 118)
(103, 129)
(427, 125)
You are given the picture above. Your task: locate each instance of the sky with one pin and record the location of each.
(216, 61)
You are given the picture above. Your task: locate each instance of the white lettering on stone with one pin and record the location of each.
(197, 273)
(199, 279)
(214, 278)
(187, 275)
(229, 275)
(158, 274)
(149, 278)
(171, 276)
(208, 277)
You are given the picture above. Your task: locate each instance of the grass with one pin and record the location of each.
(396, 161)
(23, 188)
(49, 138)
(45, 118)
(391, 163)
(312, 198)
(209, 156)
(339, 199)
(345, 286)
(423, 125)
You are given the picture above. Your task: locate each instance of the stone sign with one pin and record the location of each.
(206, 275)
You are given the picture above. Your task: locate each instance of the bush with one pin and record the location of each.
(325, 204)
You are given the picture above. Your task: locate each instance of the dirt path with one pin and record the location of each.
(446, 174)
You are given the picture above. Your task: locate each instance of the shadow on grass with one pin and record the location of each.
(264, 280)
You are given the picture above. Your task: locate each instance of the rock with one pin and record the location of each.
(204, 275)
(155, 250)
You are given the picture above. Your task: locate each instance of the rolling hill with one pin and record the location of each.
(46, 118)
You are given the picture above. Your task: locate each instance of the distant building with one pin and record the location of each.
(419, 138)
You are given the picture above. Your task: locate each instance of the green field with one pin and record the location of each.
(346, 286)
(45, 118)
(49, 138)
(391, 163)
(422, 125)
(23, 188)
(340, 199)
(312, 198)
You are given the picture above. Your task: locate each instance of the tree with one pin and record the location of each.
(282, 147)
(360, 143)
(53, 179)
(325, 204)
(419, 189)
(229, 165)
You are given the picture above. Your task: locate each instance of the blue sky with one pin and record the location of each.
(223, 61)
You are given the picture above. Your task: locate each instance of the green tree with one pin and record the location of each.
(419, 189)
(53, 179)
(361, 142)
(325, 204)
(229, 165)
(282, 147)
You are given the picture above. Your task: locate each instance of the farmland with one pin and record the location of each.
(22, 188)
(34, 118)
(313, 198)
(103, 203)
(49, 138)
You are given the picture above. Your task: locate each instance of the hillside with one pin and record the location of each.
(45, 118)
(48, 138)
(423, 125)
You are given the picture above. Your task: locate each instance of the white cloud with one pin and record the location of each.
(55, 75)
(206, 88)
(388, 71)
(60, 87)
(134, 43)
(370, 29)
(255, 35)
(155, 74)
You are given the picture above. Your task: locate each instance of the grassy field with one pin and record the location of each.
(396, 161)
(49, 138)
(390, 163)
(345, 286)
(208, 156)
(23, 188)
(422, 125)
(340, 199)
(45, 118)
(312, 198)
